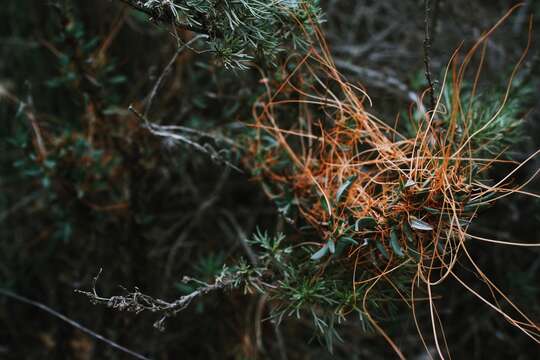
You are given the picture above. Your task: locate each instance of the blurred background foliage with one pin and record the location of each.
(83, 185)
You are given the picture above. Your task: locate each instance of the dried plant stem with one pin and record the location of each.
(71, 322)
(166, 71)
(427, 55)
(137, 302)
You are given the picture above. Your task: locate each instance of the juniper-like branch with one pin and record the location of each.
(164, 15)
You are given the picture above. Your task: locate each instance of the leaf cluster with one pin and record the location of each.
(240, 31)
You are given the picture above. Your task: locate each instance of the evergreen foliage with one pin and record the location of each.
(240, 30)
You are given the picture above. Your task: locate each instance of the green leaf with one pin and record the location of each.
(46, 182)
(342, 243)
(409, 183)
(381, 248)
(432, 210)
(366, 222)
(67, 230)
(347, 239)
(440, 246)
(418, 224)
(319, 254)
(394, 243)
(331, 246)
(324, 205)
(426, 183)
(49, 164)
(345, 187)
(475, 204)
(183, 288)
(408, 232)
(90, 45)
(118, 79)
(413, 253)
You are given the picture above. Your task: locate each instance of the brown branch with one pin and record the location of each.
(137, 302)
(427, 56)
(165, 73)
(170, 133)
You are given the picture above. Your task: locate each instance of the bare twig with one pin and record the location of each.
(166, 71)
(21, 204)
(253, 259)
(165, 132)
(378, 79)
(242, 237)
(427, 56)
(436, 10)
(521, 17)
(71, 322)
(194, 220)
(280, 342)
(137, 302)
(364, 49)
(27, 108)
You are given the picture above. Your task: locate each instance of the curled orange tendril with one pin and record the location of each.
(353, 175)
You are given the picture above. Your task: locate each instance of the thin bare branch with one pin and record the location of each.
(167, 133)
(166, 71)
(137, 302)
(71, 322)
(427, 55)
